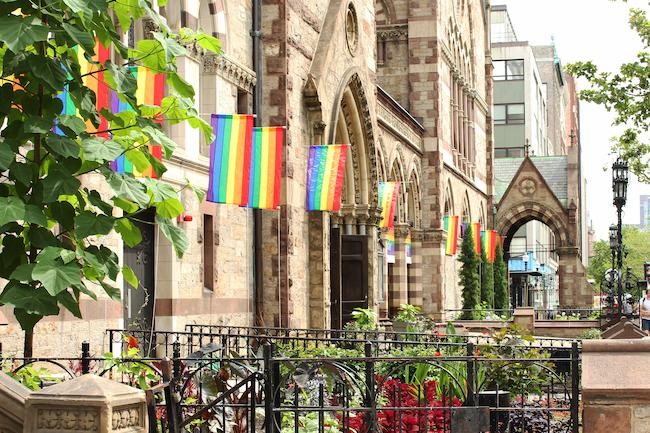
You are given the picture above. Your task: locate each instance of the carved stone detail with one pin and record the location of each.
(148, 28)
(126, 417)
(527, 186)
(389, 119)
(231, 70)
(393, 32)
(68, 419)
(352, 29)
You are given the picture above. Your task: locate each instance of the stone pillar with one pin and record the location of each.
(415, 269)
(525, 317)
(433, 261)
(575, 291)
(615, 386)
(12, 404)
(399, 285)
(319, 271)
(89, 404)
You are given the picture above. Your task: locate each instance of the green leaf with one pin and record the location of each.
(129, 276)
(171, 48)
(7, 156)
(138, 158)
(208, 42)
(130, 233)
(169, 208)
(62, 145)
(23, 272)
(33, 301)
(57, 277)
(175, 235)
(73, 123)
(49, 255)
(42, 237)
(69, 302)
(67, 256)
(83, 289)
(99, 149)
(86, 7)
(58, 182)
(90, 224)
(182, 87)
(120, 78)
(127, 10)
(11, 209)
(37, 125)
(48, 71)
(35, 215)
(151, 54)
(96, 200)
(83, 38)
(63, 212)
(19, 32)
(113, 292)
(126, 205)
(159, 137)
(27, 321)
(129, 188)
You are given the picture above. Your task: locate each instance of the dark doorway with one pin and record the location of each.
(139, 301)
(349, 275)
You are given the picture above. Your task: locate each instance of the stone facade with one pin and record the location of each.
(406, 84)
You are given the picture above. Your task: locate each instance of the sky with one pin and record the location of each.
(595, 30)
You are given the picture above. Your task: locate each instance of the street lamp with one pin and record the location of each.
(619, 187)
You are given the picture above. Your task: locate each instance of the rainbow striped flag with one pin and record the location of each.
(150, 91)
(490, 245)
(476, 235)
(390, 245)
(266, 167)
(408, 246)
(451, 227)
(325, 170)
(388, 192)
(230, 159)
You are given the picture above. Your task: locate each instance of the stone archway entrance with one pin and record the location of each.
(538, 191)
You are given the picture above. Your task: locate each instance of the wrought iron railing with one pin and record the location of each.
(344, 386)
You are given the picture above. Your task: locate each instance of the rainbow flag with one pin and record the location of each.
(408, 246)
(388, 192)
(390, 245)
(476, 235)
(266, 167)
(150, 91)
(451, 227)
(325, 170)
(230, 159)
(490, 244)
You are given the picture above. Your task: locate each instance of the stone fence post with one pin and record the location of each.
(616, 386)
(525, 317)
(88, 404)
(12, 405)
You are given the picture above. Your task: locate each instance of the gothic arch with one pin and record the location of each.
(384, 12)
(382, 175)
(396, 174)
(449, 200)
(414, 205)
(466, 215)
(353, 125)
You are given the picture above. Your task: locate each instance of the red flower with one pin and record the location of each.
(132, 342)
(437, 354)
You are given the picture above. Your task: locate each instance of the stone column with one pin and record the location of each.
(399, 285)
(415, 270)
(574, 289)
(616, 386)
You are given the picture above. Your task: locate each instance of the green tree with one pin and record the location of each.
(487, 280)
(501, 301)
(469, 276)
(626, 94)
(52, 225)
(637, 246)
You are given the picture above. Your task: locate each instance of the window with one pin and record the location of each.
(208, 252)
(509, 152)
(242, 102)
(508, 114)
(508, 70)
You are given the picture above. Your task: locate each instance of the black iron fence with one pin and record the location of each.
(303, 382)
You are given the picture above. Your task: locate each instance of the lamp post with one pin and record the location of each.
(613, 245)
(619, 188)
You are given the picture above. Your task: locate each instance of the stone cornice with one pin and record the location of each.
(231, 70)
(393, 32)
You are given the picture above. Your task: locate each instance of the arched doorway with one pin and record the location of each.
(353, 262)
